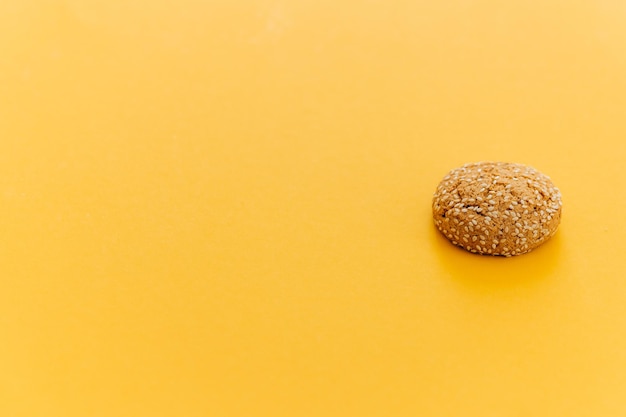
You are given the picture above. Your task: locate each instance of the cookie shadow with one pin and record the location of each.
(492, 272)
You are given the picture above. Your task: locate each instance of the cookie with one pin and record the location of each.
(497, 208)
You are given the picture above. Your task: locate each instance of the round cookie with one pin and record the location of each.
(497, 208)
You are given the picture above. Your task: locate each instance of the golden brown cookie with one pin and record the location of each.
(497, 208)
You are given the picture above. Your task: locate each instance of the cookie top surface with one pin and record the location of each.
(497, 208)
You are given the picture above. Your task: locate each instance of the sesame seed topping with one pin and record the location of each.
(496, 199)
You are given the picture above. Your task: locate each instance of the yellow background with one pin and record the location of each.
(222, 208)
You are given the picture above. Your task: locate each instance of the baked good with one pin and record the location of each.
(497, 208)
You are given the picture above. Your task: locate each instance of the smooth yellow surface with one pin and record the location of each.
(222, 208)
